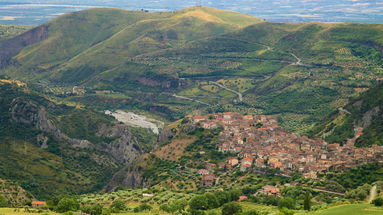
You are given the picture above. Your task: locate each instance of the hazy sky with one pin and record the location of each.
(39, 11)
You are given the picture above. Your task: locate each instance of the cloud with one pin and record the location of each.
(361, 4)
(9, 18)
(25, 6)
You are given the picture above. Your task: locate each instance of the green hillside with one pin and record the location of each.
(9, 31)
(163, 63)
(364, 112)
(297, 72)
(51, 148)
(96, 40)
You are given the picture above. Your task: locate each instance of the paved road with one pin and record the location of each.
(240, 96)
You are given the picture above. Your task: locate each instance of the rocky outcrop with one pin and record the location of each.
(27, 112)
(369, 115)
(119, 147)
(126, 177)
(125, 148)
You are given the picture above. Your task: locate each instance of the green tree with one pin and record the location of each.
(67, 204)
(93, 209)
(285, 211)
(231, 208)
(3, 202)
(252, 212)
(96, 210)
(378, 202)
(286, 202)
(223, 197)
(143, 207)
(197, 212)
(307, 201)
(235, 194)
(176, 206)
(212, 201)
(106, 211)
(118, 206)
(199, 203)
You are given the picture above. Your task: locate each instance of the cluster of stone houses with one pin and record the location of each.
(259, 142)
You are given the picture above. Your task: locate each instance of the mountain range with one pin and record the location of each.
(167, 65)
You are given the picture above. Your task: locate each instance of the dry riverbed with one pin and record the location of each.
(132, 119)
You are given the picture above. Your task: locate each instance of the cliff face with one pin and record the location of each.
(126, 177)
(124, 147)
(24, 111)
(13, 46)
(86, 147)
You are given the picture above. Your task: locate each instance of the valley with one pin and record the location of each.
(198, 111)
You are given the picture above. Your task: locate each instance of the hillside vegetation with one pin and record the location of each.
(55, 149)
(164, 63)
(9, 31)
(363, 112)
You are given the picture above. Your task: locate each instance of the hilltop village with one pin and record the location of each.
(260, 143)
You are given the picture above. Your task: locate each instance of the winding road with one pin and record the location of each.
(240, 96)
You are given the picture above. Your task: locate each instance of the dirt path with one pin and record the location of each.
(373, 194)
(344, 110)
(240, 96)
(299, 61)
(325, 191)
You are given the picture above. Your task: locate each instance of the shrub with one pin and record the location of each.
(231, 208)
(287, 202)
(199, 203)
(118, 206)
(252, 212)
(234, 195)
(212, 201)
(285, 211)
(93, 210)
(378, 202)
(3, 202)
(222, 197)
(143, 207)
(197, 212)
(67, 204)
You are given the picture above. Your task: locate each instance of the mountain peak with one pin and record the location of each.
(210, 14)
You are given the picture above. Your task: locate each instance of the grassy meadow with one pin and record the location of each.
(352, 209)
